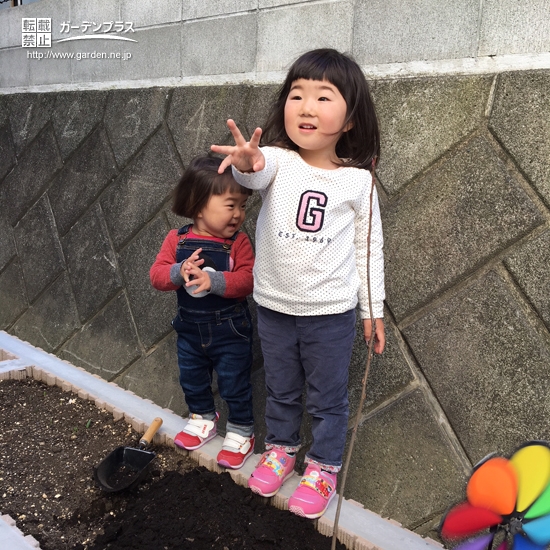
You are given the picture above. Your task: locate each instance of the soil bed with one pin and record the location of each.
(49, 442)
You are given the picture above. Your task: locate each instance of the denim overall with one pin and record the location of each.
(214, 334)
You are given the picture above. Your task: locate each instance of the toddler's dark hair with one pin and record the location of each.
(199, 182)
(360, 145)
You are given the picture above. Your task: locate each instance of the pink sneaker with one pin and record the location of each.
(197, 432)
(274, 468)
(235, 450)
(314, 493)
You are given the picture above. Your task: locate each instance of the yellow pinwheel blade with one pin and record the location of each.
(532, 465)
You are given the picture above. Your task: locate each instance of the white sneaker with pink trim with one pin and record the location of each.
(197, 432)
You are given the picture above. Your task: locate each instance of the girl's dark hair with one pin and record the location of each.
(360, 145)
(199, 182)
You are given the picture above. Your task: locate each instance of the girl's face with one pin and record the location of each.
(222, 216)
(315, 112)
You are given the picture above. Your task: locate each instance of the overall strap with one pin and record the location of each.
(186, 228)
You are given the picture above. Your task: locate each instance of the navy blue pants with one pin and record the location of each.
(218, 341)
(313, 351)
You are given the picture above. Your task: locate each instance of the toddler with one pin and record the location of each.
(209, 265)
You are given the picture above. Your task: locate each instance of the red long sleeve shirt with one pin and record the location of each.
(238, 282)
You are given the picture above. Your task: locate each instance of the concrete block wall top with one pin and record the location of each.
(191, 41)
(422, 29)
(285, 33)
(514, 28)
(230, 43)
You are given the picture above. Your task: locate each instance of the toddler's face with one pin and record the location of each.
(315, 112)
(222, 216)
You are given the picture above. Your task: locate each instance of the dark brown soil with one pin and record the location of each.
(49, 442)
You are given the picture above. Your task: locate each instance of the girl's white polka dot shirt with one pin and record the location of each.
(311, 237)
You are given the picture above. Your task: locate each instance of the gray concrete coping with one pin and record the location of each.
(359, 529)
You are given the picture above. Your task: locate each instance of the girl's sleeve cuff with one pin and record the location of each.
(377, 311)
(175, 275)
(217, 283)
(243, 176)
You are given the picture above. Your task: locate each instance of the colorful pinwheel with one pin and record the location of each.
(508, 500)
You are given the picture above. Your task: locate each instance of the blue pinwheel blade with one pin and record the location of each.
(480, 543)
(538, 530)
(523, 543)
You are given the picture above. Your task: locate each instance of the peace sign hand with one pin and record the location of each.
(245, 156)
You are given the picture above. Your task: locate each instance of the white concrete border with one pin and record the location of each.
(12, 539)
(359, 529)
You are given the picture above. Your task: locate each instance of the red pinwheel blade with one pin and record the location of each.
(481, 543)
(538, 530)
(523, 543)
(465, 520)
(503, 546)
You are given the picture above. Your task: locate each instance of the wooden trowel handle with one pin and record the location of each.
(150, 433)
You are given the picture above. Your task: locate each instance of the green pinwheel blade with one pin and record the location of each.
(523, 543)
(532, 464)
(538, 530)
(541, 506)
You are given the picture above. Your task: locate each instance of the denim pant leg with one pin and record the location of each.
(326, 345)
(195, 368)
(230, 349)
(284, 378)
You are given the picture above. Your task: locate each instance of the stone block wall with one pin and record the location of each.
(85, 182)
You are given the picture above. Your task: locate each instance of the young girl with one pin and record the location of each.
(321, 139)
(209, 265)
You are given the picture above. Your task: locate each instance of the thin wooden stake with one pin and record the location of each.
(364, 382)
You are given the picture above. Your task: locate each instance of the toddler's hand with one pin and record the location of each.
(245, 156)
(200, 279)
(192, 261)
(379, 337)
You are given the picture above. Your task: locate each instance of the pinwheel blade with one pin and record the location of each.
(538, 530)
(465, 520)
(494, 485)
(503, 546)
(532, 464)
(541, 506)
(523, 543)
(481, 543)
